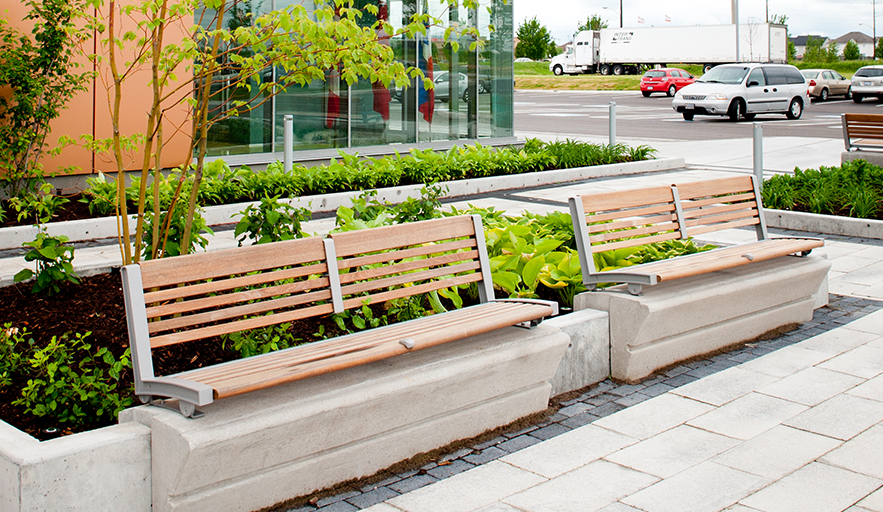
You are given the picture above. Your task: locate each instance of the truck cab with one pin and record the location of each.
(581, 56)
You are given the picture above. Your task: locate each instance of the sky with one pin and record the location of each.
(830, 18)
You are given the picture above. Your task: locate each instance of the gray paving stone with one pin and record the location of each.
(677, 370)
(573, 410)
(634, 398)
(777, 452)
(342, 506)
(606, 409)
(367, 499)
(657, 389)
(486, 455)
(549, 432)
(748, 416)
(626, 389)
(603, 399)
(654, 416)
(680, 380)
(842, 417)
(414, 482)
(338, 497)
(579, 420)
(518, 443)
(384, 482)
(490, 442)
(450, 469)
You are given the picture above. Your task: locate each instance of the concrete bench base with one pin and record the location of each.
(873, 157)
(685, 318)
(258, 449)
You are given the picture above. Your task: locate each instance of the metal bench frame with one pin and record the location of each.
(862, 131)
(191, 393)
(677, 227)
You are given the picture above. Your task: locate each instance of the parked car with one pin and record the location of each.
(867, 81)
(667, 80)
(743, 91)
(822, 83)
(443, 89)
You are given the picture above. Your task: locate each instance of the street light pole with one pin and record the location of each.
(620, 12)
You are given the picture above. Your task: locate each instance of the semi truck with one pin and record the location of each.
(619, 51)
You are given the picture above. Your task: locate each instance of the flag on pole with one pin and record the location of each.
(332, 98)
(640, 19)
(425, 97)
(667, 18)
(381, 93)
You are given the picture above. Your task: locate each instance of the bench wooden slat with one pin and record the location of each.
(720, 187)
(336, 346)
(735, 198)
(182, 292)
(619, 235)
(423, 250)
(408, 266)
(459, 328)
(631, 198)
(377, 284)
(184, 321)
(771, 244)
(635, 242)
(401, 235)
(865, 131)
(726, 225)
(719, 208)
(597, 218)
(377, 298)
(628, 223)
(711, 220)
(865, 118)
(228, 262)
(241, 325)
(734, 258)
(229, 299)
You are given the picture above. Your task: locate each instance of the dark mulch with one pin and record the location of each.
(72, 210)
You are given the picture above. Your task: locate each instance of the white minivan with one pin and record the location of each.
(743, 91)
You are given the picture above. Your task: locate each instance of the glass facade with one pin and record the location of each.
(472, 97)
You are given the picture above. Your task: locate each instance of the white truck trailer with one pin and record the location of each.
(619, 51)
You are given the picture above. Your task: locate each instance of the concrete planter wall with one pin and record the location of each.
(106, 227)
(826, 224)
(283, 440)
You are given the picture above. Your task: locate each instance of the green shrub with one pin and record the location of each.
(54, 264)
(270, 221)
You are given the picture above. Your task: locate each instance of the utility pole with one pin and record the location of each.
(736, 23)
(620, 13)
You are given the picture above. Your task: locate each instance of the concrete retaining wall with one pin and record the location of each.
(826, 224)
(104, 469)
(689, 317)
(106, 227)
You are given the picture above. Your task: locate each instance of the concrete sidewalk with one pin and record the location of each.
(800, 429)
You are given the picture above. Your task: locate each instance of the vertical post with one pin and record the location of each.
(758, 153)
(620, 13)
(736, 23)
(288, 141)
(612, 127)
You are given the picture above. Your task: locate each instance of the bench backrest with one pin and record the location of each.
(715, 205)
(391, 262)
(627, 218)
(861, 126)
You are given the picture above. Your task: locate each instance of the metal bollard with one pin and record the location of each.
(758, 153)
(288, 141)
(612, 128)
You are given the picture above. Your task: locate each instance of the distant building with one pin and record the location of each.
(865, 43)
(800, 43)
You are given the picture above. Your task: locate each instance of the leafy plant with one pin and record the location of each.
(261, 340)
(70, 382)
(40, 205)
(360, 319)
(270, 221)
(564, 275)
(54, 264)
(40, 75)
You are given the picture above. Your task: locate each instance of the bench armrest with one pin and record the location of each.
(169, 387)
(551, 303)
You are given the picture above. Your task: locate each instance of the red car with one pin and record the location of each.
(667, 80)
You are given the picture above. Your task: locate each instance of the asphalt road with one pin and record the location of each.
(586, 113)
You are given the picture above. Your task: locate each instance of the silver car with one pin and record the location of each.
(741, 91)
(867, 81)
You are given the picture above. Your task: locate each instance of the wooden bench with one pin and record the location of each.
(862, 131)
(629, 218)
(200, 296)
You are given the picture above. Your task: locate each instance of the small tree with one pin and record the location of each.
(792, 52)
(878, 49)
(534, 40)
(814, 51)
(593, 23)
(40, 75)
(831, 53)
(851, 51)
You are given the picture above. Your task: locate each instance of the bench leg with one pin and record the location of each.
(635, 288)
(189, 410)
